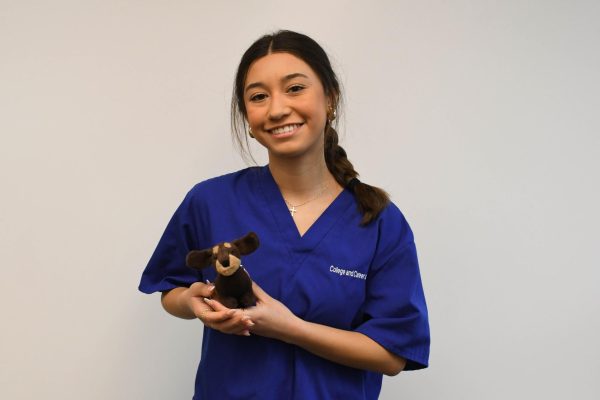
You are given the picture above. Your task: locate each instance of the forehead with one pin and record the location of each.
(277, 65)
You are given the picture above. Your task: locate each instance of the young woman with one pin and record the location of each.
(340, 300)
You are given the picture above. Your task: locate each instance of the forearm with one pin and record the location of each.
(172, 302)
(348, 348)
(273, 319)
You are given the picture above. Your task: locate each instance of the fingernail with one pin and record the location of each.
(250, 324)
(206, 299)
(246, 333)
(210, 289)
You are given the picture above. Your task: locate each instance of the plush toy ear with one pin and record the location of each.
(199, 258)
(247, 244)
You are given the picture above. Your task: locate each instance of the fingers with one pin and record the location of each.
(238, 324)
(221, 318)
(200, 289)
(216, 305)
(210, 311)
(214, 314)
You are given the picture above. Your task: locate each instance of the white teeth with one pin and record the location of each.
(284, 129)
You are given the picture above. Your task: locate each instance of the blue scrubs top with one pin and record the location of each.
(340, 274)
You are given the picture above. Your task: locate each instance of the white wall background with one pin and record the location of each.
(480, 117)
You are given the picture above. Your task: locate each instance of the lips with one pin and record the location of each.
(284, 129)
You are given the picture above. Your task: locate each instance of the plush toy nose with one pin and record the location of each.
(225, 262)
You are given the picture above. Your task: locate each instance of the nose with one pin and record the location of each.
(225, 262)
(278, 107)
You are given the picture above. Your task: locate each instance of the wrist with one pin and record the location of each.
(295, 331)
(183, 303)
(176, 302)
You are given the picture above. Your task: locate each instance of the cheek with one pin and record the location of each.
(317, 108)
(253, 116)
(319, 115)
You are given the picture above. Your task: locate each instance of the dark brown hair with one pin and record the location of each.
(371, 200)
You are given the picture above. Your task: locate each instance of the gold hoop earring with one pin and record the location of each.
(250, 133)
(331, 114)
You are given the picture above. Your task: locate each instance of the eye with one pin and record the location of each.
(295, 88)
(258, 97)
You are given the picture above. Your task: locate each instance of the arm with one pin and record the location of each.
(173, 302)
(192, 302)
(353, 349)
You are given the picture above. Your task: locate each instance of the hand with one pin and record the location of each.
(271, 318)
(212, 313)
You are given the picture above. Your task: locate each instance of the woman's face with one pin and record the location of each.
(286, 106)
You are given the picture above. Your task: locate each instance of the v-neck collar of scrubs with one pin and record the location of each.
(285, 222)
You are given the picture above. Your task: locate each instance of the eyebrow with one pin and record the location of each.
(284, 79)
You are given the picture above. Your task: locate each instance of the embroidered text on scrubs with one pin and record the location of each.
(345, 272)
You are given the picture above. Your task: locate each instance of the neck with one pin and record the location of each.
(298, 178)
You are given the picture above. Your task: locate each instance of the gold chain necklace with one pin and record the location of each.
(293, 208)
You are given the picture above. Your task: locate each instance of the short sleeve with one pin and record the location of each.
(166, 269)
(395, 311)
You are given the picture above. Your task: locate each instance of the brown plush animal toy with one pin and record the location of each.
(233, 286)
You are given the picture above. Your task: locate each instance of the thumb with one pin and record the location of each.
(201, 289)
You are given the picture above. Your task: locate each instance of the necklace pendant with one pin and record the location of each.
(292, 208)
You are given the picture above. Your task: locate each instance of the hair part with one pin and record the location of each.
(371, 200)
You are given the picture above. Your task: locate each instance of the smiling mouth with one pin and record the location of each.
(284, 129)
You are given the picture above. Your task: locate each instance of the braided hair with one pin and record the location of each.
(371, 200)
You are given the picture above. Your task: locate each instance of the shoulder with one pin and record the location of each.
(391, 214)
(392, 227)
(215, 199)
(224, 184)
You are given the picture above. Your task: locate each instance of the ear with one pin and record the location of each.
(199, 258)
(247, 244)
